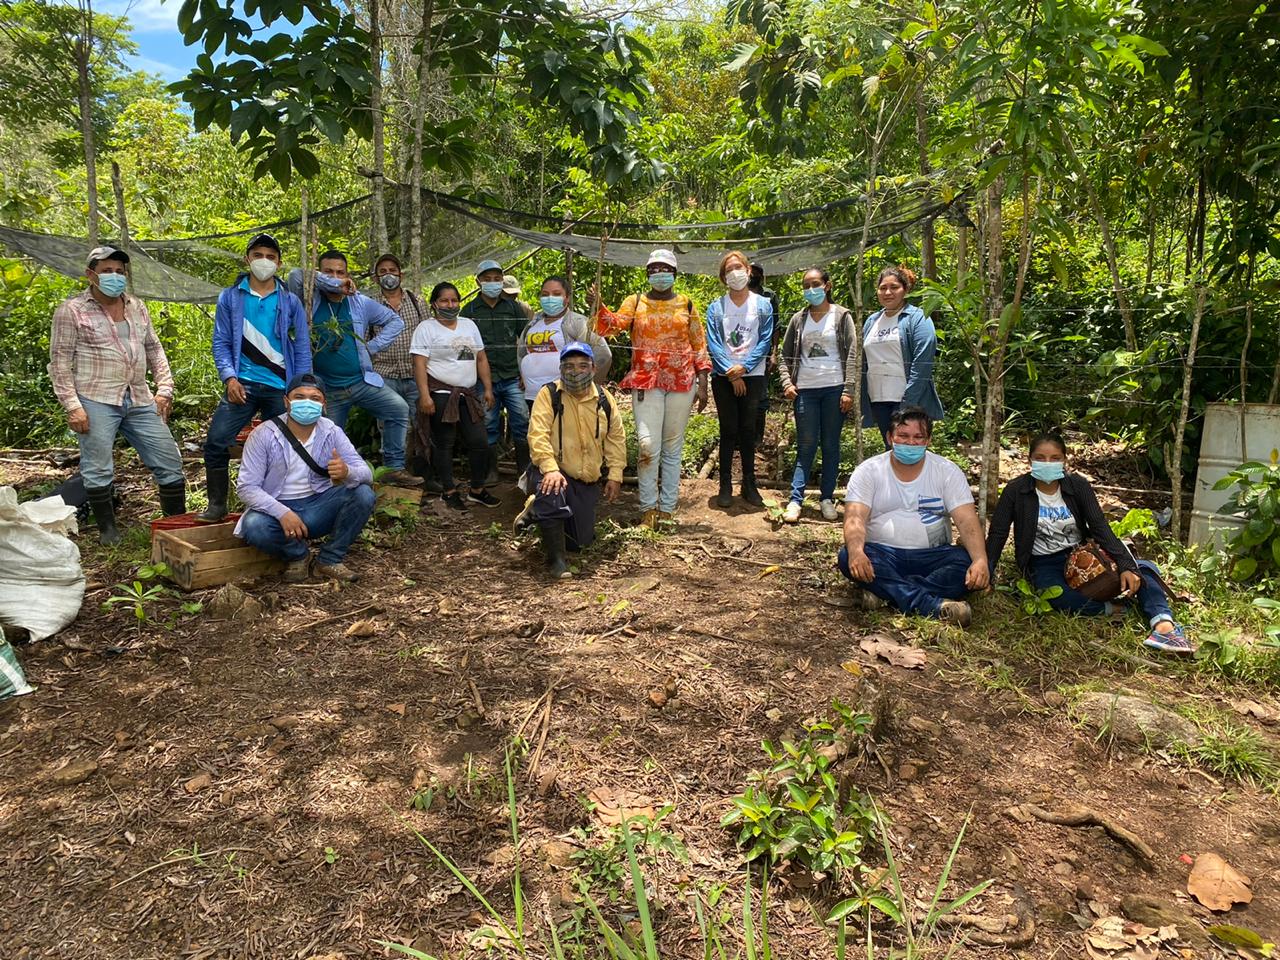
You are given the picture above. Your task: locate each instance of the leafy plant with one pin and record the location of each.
(1255, 549)
(1034, 602)
(796, 809)
(1138, 522)
(138, 596)
(331, 856)
(1221, 651)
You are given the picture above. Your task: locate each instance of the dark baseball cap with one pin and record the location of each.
(307, 379)
(264, 240)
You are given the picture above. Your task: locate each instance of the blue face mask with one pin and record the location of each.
(491, 289)
(908, 453)
(1047, 471)
(328, 284)
(552, 306)
(815, 295)
(664, 280)
(305, 412)
(112, 284)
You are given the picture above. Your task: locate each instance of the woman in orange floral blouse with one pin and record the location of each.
(668, 360)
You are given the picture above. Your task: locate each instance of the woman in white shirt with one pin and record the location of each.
(899, 344)
(448, 361)
(554, 325)
(816, 371)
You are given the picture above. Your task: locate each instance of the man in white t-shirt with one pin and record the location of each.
(897, 526)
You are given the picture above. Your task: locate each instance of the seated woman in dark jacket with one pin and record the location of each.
(1052, 512)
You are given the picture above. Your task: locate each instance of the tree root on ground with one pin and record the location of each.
(1015, 929)
(1076, 816)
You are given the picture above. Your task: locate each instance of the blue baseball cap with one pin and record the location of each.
(307, 379)
(579, 348)
(487, 265)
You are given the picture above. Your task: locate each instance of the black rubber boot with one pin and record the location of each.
(522, 457)
(491, 476)
(101, 501)
(173, 498)
(553, 544)
(749, 492)
(725, 498)
(217, 484)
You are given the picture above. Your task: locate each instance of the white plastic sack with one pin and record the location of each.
(50, 514)
(41, 581)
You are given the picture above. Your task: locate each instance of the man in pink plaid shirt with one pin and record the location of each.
(99, 351)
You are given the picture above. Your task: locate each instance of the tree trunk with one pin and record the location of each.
(1175, 460)
(419, 117)
(928, 252)
(118, 189)
(378, 238)
(83, 53)
(858, 275)
(989, 472)
(1244, 355)
(1151, 246)
(304, 252)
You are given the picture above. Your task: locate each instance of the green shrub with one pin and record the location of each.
(1255, 550)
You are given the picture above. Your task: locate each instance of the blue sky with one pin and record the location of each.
(160, 48)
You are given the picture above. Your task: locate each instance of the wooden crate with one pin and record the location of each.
(402, 497)
(209, 556)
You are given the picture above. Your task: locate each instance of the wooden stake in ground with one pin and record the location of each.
(1175, 460)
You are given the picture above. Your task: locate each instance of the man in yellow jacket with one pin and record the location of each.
(575, 441)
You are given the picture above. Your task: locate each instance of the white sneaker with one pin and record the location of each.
(792, 513)
(828, 510)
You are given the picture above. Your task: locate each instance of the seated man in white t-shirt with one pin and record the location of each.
(301, 479)
(897, 526)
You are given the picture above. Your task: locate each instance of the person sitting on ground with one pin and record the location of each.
(301, 479)
(100, 348)
(449, 359)
(897, 527)
(1051, 512)
(261, 340)
(575, 437)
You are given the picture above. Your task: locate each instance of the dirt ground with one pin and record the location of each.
(245, 790)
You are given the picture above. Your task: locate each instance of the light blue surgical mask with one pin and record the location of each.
(663, 280)
(305, 412)
(815, 295)
(112, 284)
(1047, 471)
(491, 289)
(328, 284)
(552, 306)
(908, 454)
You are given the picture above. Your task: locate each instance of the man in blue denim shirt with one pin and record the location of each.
(342, 320)
(260, 342)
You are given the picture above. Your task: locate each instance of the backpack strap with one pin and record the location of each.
(298, 448)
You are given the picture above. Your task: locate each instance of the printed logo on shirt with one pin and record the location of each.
(817, 350)
(1055, 513)
(931, 510)
(465, 352)
(738, 336)
(541, 341)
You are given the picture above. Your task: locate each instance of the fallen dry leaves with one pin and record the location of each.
(1217, 884)
(1114, 938)
(613, 806)
(898, 654)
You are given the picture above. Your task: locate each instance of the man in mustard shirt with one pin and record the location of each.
(575, 440)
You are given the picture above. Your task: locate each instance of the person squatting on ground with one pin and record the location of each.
(553, 327)
(575, 439)
(899, 344)
(100, 347)
(499, 319)
(261, 341)
(816, 370)
(394, 363)
(301, 479)
(449, 359)
(897, 527)
(1051, 512)
(343, 321)
(739, 332)
(668, 356)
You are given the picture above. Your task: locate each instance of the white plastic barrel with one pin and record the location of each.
(1221, 452)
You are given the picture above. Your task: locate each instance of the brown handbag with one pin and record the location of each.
(1091, 572)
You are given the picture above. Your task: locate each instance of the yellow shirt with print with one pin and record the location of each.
(590, 436)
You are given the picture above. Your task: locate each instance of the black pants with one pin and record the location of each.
(474, 437)
(575, 506)
(737, 417)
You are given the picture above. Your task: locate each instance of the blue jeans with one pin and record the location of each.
(508, 395)
(230, 418)
(661, 418)
(387, 407)
(141, 426)
(914, 580)
(818, 422)
(339, 513)
(1047, 571)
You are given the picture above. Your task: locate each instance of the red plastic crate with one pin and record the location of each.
(243, 435)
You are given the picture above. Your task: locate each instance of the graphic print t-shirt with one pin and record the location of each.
(820, 364)
(886, 374)
(1055, 525)
(541, 363)
(912, 515)
(451, 354)
(742, 330)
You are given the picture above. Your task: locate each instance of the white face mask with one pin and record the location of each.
(736, 279)
(263, 268)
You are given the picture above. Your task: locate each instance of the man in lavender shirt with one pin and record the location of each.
(293, 498)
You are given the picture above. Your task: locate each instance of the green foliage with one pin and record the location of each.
(1139, 522)
(796, 810)
(1255, 549)
(1036, 603)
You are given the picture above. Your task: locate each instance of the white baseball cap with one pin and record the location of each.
(663, 256)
